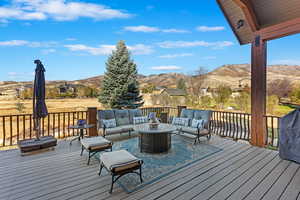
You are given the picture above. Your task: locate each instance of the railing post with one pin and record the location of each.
(164, 117)
(92, 119)
(180, 108)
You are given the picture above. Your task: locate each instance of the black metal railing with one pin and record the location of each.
(231, 124)
(272, 130)
(20, 127)
(225, 124)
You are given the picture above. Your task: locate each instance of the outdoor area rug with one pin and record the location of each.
(156, 166)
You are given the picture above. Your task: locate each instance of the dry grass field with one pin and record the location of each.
(8, 107)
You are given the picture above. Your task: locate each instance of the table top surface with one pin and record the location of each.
(86, 126)
(162, 128)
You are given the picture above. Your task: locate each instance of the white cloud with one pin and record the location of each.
(33, 44)
(173, 30)
(101, 50)
(141, 49)
(166, 67)
(138, 49)
(14, 43)
(287, 62)
(20, 75)
(210, 28)
(60, 10)
(185, 44)
(142, 28)
(176, 55)
(152, 29)
(48, 51)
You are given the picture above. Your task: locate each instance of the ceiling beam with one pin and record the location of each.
(280, 30)
(249, 13)
(229, 21)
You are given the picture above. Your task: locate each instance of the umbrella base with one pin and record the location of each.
(31, 145)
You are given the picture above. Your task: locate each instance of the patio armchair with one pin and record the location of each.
(187, 128)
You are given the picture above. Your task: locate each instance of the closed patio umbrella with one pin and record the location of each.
(39, 92)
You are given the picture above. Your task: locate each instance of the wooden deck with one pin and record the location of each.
(240, 171)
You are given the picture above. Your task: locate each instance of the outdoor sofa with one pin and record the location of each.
(119, 121)
(195, 123)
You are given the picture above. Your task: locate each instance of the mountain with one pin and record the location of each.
(232, 75)
(167, 80)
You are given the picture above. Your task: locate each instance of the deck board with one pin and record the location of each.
(240, 188)
(240, 171)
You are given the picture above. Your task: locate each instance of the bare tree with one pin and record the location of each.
(280, 88)
(196, 81)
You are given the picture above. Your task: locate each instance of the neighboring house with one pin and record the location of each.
(172, 92)
(177, 96)
(67, 88)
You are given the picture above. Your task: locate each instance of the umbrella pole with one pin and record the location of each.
(38, 128)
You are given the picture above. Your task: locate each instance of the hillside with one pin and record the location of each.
(232, 75)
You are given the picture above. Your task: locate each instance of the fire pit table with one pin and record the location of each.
(155, 140)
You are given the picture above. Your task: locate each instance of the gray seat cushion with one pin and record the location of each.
(113, 130)
(115, 159)
(122, 117)
(194, 131)
(134, 113)
(127, 128)
(98, 141)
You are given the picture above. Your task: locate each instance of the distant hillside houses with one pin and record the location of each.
(68, 88)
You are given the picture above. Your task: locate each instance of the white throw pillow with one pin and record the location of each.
(197, 123)
(180, 121)
(140, 120)
(109, 123)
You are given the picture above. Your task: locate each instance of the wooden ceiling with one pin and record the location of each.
(269, 19)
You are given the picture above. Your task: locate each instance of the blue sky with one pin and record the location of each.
(74, 37)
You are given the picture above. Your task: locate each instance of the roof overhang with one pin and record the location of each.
(268, 19)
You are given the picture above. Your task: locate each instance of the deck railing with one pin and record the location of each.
(231, 124)
(20, 127)
(225, 124)
(272, 126)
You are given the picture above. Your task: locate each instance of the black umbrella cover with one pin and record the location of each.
(39, 92)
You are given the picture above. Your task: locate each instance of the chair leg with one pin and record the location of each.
(208, 136)
(100, 170)
(141, 174)
(89, 158)
(82, 148)
(112, 184)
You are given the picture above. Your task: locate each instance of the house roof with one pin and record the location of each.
(174, 92)
(268, 18)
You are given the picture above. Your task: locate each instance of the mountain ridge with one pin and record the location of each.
(231, 74)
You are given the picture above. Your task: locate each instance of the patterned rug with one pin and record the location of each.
(156, 166)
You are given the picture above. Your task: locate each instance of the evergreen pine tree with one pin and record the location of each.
(120, 88)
